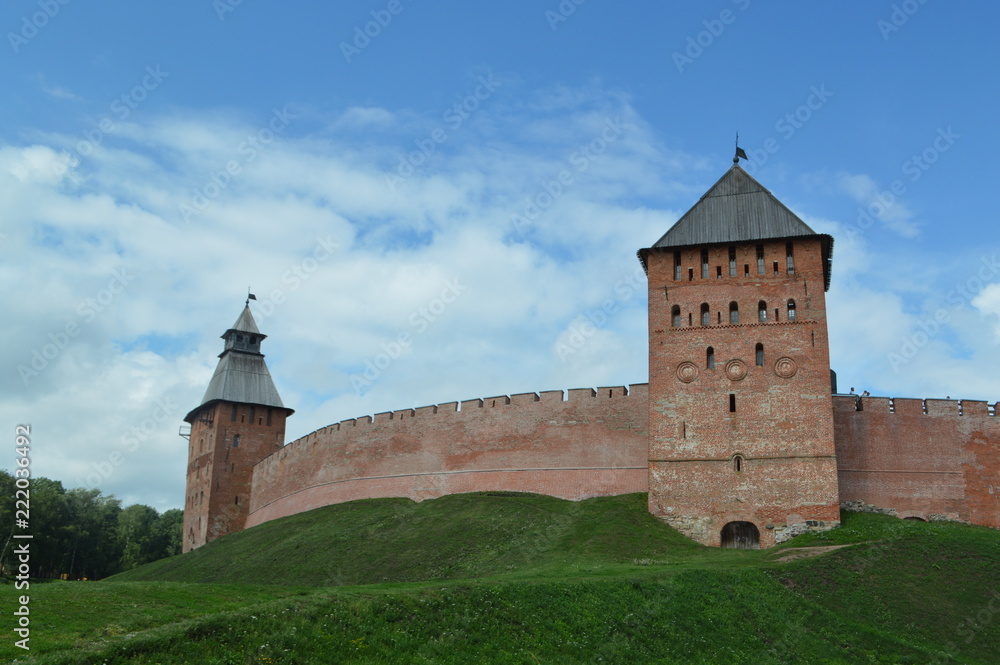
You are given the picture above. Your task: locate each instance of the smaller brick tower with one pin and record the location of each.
(741, 449)
(240, 421)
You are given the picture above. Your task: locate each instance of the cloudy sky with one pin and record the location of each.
(437, 201)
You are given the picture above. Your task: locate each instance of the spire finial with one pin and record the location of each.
(740, 152)
(250, 297)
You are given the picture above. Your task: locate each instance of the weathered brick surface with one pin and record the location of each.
(217, 500)
(782, 425)
(920, 458)
(592, 444)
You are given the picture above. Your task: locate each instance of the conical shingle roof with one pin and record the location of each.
(241, 375)
(736, 209)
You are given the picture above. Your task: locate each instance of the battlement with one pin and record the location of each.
(543, 399)
(914, 406)
(924, 458)
(572, 444)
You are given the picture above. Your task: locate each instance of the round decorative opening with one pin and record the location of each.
(785, 368)
(687, 372)
(736, 370)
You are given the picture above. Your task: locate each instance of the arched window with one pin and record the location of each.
(675, 316)
(791, 310)
(710, 358)
(236, 441)
(759, 353)
(762, 311)
(705, 319)
(738, 463)
(734, 313)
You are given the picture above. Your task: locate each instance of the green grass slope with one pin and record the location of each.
(453, 537)
(491, 578)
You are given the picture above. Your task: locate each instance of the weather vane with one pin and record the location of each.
(740, 152)
(250, 297)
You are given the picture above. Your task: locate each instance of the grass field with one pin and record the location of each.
(516, 578)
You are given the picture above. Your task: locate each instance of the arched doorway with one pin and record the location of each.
(741, 536)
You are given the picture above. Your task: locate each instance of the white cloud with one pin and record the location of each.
(881, 204)
(988, 304)
(343, 266)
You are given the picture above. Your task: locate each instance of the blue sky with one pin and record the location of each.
(448, 207)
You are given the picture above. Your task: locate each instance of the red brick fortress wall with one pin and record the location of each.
(593, 443)
(932, 459)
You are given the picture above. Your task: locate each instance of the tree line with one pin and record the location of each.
(80, 533)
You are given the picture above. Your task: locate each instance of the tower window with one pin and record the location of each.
(237, 500)
(710, 358)
(791, 310)
(677, 266)
(734, 313)
(718, 272)
(233, 417)
(675, 316)
(760, 259)
(738, 463)
(762, 311)
(759, 353)
(732, 403)
(236, 441)
(268, 416)
(775, 267)
(706, 319)
(704, 264)
(252, 410)
(746, 269)
(732, 262)
(690, 274)
(789, 259)
(690, 322)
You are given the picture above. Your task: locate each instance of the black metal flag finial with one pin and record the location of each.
(740, 152)
(250, 296)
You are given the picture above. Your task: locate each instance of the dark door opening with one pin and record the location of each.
(741, 536)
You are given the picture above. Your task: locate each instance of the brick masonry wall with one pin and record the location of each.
(219, 473)
(782, 425)
(932, 459)
(594, 443)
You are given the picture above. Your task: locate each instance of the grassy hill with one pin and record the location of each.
(515, 578)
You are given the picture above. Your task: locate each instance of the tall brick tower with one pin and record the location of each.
(240, 421)
(741, 450)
